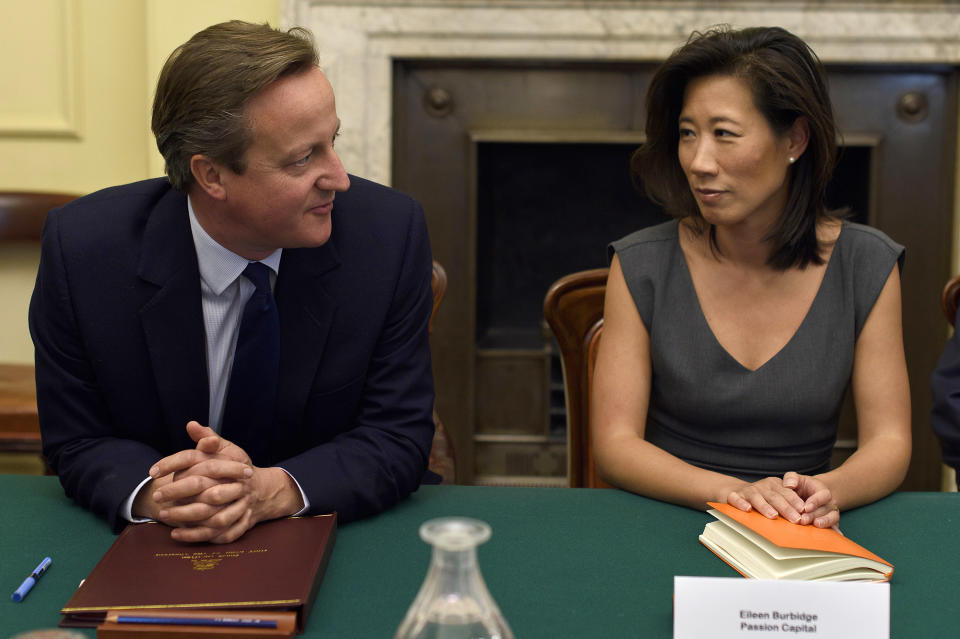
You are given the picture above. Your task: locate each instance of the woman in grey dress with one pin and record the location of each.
(732, 332)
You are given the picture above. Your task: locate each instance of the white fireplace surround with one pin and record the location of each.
(358, 41)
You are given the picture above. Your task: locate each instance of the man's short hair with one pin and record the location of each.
(205, 84)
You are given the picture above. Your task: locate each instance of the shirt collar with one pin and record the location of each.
(219, 266)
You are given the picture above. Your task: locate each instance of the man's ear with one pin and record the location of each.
(799, 136)
(207, 174)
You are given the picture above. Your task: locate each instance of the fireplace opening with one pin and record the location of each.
(545, 210)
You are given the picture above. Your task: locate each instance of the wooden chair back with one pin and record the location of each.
(442, 458)
(22, 214)
(950, 299)
(573, 308)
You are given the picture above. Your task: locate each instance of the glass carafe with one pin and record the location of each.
(453, 602)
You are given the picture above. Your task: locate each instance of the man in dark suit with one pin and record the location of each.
(945, 414)
(140, 312)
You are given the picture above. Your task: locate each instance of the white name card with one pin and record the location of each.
(759, 609)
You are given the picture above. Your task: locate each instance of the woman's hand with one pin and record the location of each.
(770, 497)
(800, 499)
(819, 505)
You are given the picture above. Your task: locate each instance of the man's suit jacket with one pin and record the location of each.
(117, 324)
(945, 415)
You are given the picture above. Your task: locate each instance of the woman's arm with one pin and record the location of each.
(618, 414)
(881, 393)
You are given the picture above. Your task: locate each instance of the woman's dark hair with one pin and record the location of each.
(787, 81)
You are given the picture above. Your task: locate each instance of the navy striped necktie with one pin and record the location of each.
(252, 393)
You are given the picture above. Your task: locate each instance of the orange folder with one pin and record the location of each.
(794, 549)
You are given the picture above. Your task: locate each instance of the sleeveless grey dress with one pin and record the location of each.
(711, 411)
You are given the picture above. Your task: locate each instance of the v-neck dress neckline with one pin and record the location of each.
(800, 327)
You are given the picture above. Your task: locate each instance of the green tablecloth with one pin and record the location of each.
(561, 562)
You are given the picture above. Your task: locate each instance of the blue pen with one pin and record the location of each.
(199, 621)
(27, 584)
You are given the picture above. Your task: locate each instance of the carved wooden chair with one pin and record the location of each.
(950, 299)
(573, 307)
(442, 458)
(22, 215)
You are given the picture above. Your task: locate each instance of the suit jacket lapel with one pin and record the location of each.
(306, 315)
(172, 313)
